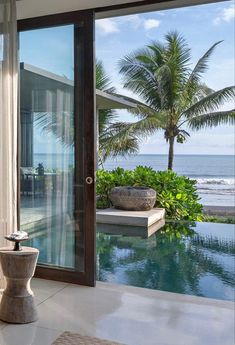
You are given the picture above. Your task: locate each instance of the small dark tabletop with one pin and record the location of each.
(25, 250)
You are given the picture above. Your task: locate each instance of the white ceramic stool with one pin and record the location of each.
(17, 304)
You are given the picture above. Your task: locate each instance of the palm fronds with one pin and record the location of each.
(117, 140)
(201, 66)
(211, 102)
(60, 124)
(138, 75)
(212, 120)
(173, 94)
(103, 81)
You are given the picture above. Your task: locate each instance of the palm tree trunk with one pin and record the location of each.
(171, 153)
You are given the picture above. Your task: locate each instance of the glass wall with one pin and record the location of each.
(47, 145)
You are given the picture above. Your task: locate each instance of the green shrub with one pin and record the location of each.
(218, 219)
(102, 202)
(174, 230)
(177, 194)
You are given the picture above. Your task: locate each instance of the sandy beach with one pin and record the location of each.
(224, 211)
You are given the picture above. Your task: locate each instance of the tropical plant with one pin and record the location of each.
(177, 194)
(173, 94)
(114, 139)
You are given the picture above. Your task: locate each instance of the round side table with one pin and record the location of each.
(17, 304)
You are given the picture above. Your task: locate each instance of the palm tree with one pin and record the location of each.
(173, 94)
(114, 139)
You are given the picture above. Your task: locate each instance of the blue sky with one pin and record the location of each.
(201, 26)
(52, 49)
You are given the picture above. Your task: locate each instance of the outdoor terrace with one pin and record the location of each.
(133, 316)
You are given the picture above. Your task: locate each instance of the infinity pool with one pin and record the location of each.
(196, 259)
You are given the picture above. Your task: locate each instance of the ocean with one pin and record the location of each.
(214, 173)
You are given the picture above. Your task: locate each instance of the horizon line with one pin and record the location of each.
(144, 154)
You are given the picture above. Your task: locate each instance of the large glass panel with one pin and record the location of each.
(47, 145)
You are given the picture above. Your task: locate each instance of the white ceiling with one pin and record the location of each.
(35, 8)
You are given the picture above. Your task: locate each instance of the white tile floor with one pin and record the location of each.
(126, 314)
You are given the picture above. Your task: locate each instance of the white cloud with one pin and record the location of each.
(229, 13)
(151, 24)
(226, 15)
(162, 14)
(107, 26)
(134, 20)
(137, 22)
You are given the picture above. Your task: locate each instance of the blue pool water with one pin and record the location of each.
(196, 259)
(193, 259)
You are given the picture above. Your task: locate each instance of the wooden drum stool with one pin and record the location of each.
(17, 304)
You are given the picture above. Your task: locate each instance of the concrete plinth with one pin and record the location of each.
(133, 218)
(17, 304)
(130, 223)
(131, 231)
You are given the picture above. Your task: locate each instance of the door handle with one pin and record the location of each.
(89, 180)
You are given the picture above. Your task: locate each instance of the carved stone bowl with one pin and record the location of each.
(133, 198)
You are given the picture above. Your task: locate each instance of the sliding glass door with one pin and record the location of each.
(56, 151)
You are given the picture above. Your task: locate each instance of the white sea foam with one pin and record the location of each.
(216, 186)
(216, 181)
(216, 191)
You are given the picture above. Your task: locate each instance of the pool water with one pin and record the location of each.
(196, 259)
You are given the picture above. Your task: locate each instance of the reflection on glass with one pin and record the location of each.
(47, 144)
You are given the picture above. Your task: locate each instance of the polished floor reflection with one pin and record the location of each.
(133, 316)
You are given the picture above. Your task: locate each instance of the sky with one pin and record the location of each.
(202, 26)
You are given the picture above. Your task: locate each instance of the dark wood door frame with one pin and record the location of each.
(84, 119)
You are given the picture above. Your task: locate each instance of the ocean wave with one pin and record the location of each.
(231, 189)
(216, 191)
(216, 181)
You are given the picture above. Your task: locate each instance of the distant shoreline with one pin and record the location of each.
(142, 154)
(176, 155)
(224, 211)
